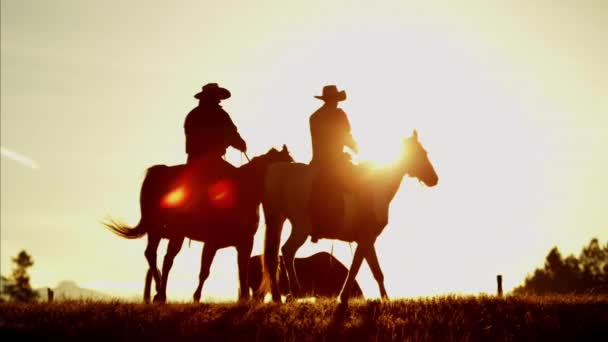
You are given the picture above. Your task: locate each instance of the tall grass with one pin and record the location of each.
(436, 318)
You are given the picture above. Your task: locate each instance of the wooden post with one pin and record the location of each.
(499, 285)
(49, 294)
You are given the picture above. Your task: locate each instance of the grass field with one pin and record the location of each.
(437, 318)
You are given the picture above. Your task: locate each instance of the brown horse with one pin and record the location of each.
(178, 202)
(286, 197)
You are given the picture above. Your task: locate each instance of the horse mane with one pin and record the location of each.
(255, 160)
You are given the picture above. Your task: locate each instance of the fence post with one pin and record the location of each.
(499, 285)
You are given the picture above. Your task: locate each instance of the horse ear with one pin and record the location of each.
(284, 148)
(415, 134)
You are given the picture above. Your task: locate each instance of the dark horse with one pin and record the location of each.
(178, 202)
(319, 275)
(286, 197)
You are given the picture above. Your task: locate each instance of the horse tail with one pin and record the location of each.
(272, 236)
(123, 230)
(148, 196)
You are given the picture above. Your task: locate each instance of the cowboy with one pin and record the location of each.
(330, 128)
(209, 132)
(330, 132)
(208, 127)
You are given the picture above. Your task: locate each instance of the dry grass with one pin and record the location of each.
(438, 318)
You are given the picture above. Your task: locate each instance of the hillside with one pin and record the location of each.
(69, 290)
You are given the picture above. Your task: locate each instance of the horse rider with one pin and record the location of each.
(330, 129)
(330, 132)
(210, 131)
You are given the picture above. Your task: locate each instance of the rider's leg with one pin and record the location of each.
(352, 182)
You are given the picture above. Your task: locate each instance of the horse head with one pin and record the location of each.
(275, 156)
(416, 162)
(272, 156)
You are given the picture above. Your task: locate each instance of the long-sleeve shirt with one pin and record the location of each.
(330, 132)
(209, 129)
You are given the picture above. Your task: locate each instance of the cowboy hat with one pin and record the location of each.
(330, 92)
(213, 90)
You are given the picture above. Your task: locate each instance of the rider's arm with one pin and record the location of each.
(234, 138)
(349, 141)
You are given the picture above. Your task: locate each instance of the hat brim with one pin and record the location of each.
(340, 96)
(220, 93)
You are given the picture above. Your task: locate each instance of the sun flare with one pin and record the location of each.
(174, 198)
(379, 151)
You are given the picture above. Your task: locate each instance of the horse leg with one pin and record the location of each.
(175, 244)
(150, 253)
(352, 273)
(147, 285)
(372, 261)
(243, 255)
(206, 259)
(272, 240)
(296, 239)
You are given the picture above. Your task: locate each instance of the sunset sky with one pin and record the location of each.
(510, 98)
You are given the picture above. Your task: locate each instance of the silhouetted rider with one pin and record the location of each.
(330, 129)
(209, 132)
(208, 127)
(330, 132)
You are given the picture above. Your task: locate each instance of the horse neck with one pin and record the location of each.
(388, 182)
(252, 177)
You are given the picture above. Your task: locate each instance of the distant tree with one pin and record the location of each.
(3, 282)
(17, 287)
(587, 274)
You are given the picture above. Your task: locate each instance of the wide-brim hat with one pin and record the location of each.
(213, 90)
(331, 93)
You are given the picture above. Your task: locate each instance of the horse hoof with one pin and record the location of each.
(258, 298)
(343, 300)
(160, 299)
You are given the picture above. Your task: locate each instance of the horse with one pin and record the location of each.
(224, 213)
(319, 275)
(287, 189)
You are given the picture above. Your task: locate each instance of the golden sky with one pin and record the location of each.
(509, 98)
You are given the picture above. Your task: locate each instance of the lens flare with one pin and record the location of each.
(174, 198)
(222, 194)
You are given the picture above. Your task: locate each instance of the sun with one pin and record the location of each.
(378, 150)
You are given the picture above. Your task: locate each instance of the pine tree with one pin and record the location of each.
(18, 287)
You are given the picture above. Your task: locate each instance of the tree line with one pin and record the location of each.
(585, 274)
